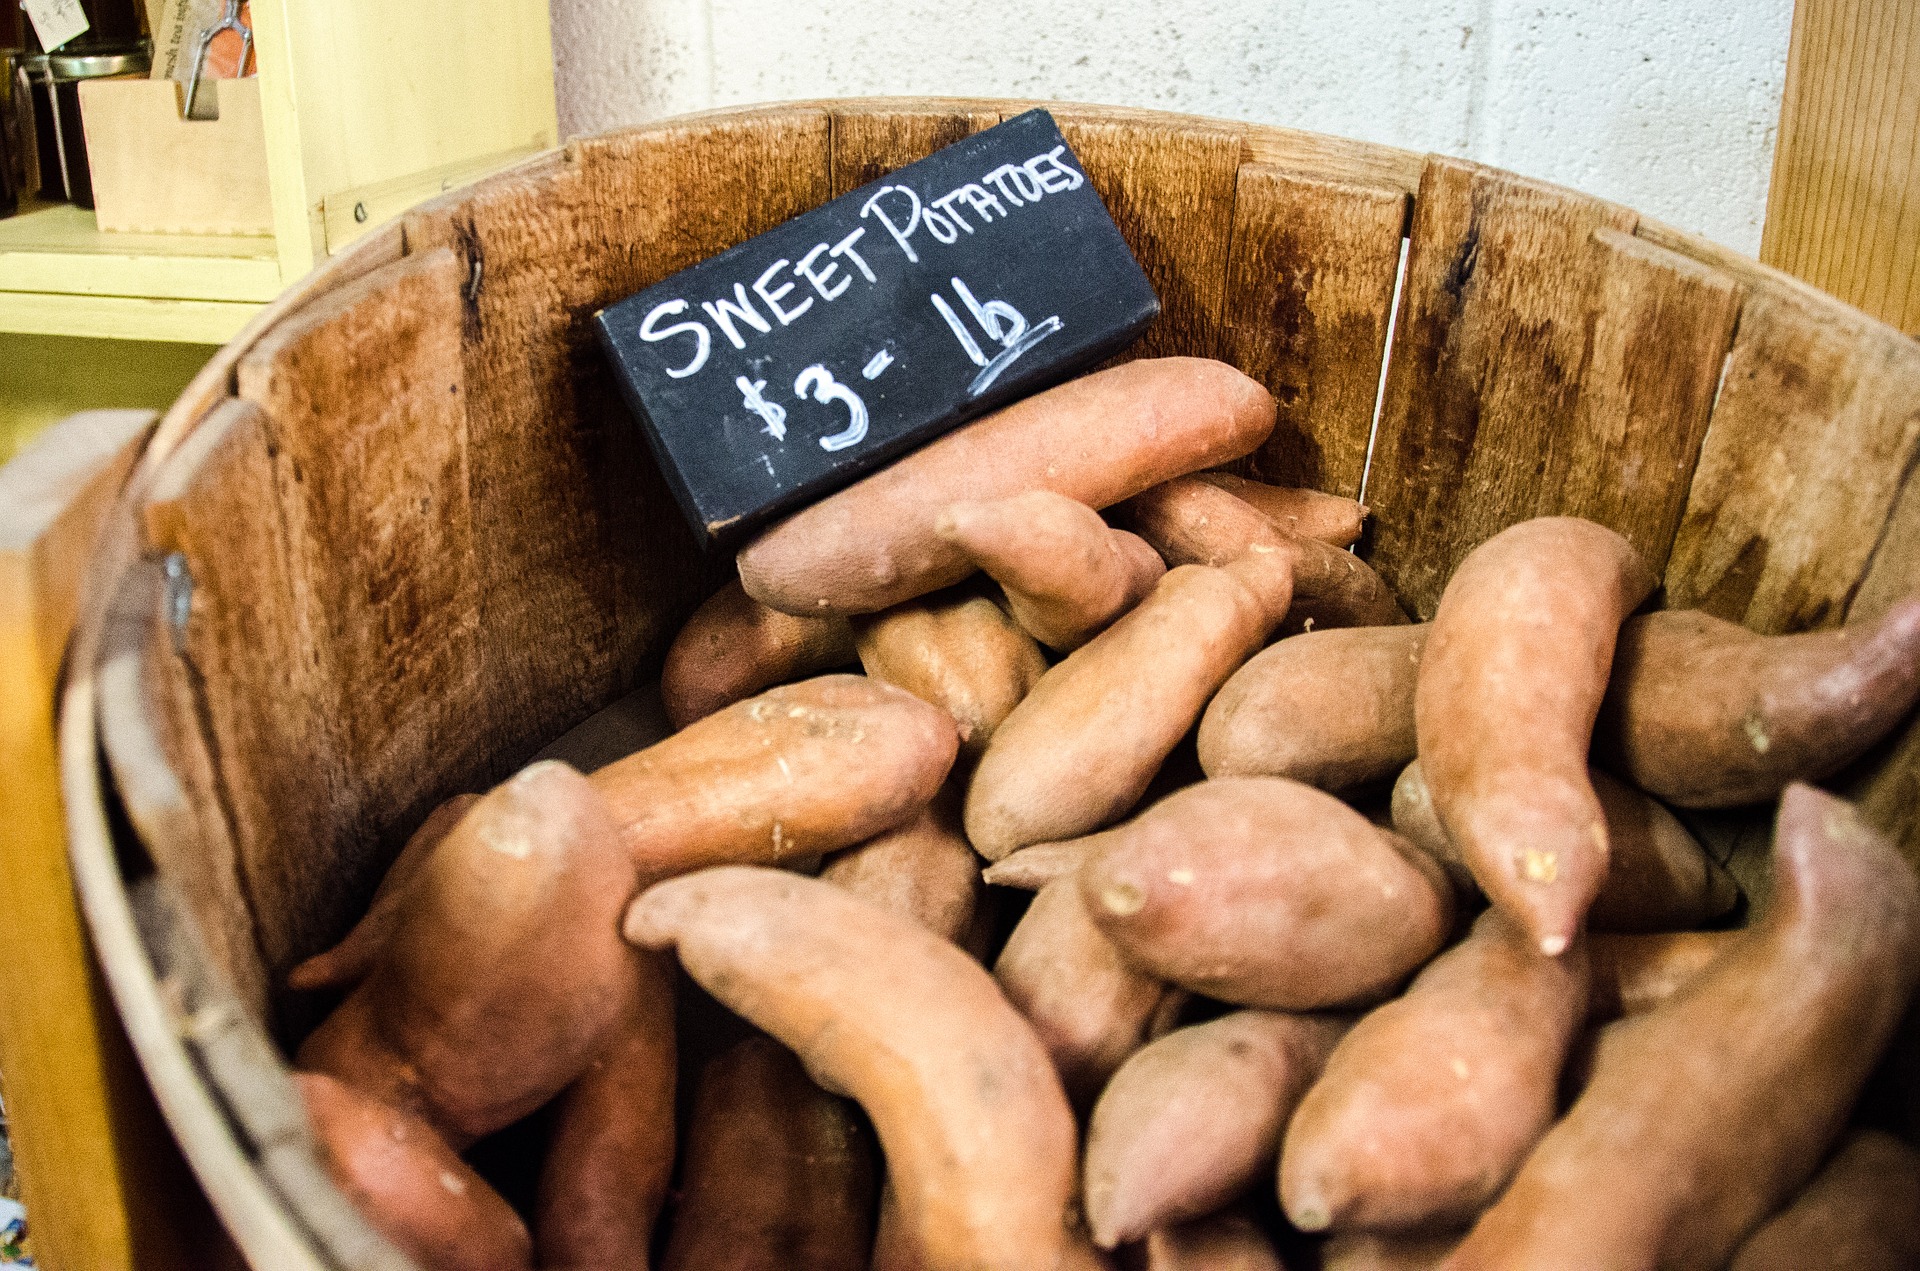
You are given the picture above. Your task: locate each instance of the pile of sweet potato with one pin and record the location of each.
(1514, 1017)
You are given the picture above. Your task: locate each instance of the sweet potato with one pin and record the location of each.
(505, 971)
(1632, 974)
(610, 1155)
(622, 727)
(409, 1184)
(1192, 1119)
(1229, 1241)
(1860, 1213)
(1429, 1105)
(1658, 876)
(978, 1137)
(734, 646)
(957, 650)
(1192, 522)
(1089, 1008)
(1379, 1251)
(924, 870)
(1096, 439)
(1085, 744)
(1708, 1112)
(799, 770)
(1032, 868)
(1066, 573)
(1511, 680)
(347, 963)
(1707, 714)
(1264, 892)
(1328, 517)
(1331, 708)
(778, 1172)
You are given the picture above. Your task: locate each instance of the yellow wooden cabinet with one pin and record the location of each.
(366, 108)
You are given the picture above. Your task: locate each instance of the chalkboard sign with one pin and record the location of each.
(784, 368)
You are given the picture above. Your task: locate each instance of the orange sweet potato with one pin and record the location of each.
(347, 963)
(1658, 876)
(409, 1184)
(1190, 521)
(1860, 1213)
(778, 1172)
(1511, 680)
(1429, 1105)
(1707, 714)
(978, 1137)
(734, 646)
(1327, 517)
(505, 972)
(1331, 708)
(1096, 439)
(1066, 573)
(957, 650)
(924, 870)
(1708, 1112)
(1230, 1241)
(610, 1155)
(1089, 1008)
(799, 770)
(1085, 744)
(1379, 1251)
(1191, 1120)
(1265, 892)
(1632, 974)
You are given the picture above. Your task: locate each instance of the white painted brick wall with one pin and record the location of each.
(1668, 107)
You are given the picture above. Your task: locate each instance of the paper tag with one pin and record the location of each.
(56, 21)
(786, 367)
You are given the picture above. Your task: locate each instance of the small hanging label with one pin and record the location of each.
(55, 21)
(784, 368)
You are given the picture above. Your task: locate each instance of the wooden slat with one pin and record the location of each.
(1816, 428)
(1309, 287)
(1546, 363)
(1170, 190)
(92, 1159)
(869, 141)
(362, 397)
(1843, 211)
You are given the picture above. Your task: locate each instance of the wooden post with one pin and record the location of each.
(1844, 209)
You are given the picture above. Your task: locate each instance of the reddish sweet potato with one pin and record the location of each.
(1192, 522)
(505, 972)
(1066, 573)
(410, 1185)
(734, 646)
(1370, 1251)
(1086, 743)
(1632, 974)
(1331, 708)
(348, 962)
(1191, 1120)
(610, 1156)
(1707, 1113)
(924, 870)
(1707, 714)
(978, 1137)
(1089, 1008)
(1429, 1105)
(1658, 876)
(1265, 892)
(1860, 1213)
(1328, 517)
(799, 770)
(1032, 868)
(1096, 439)
(778, 1172)
(957, 650)
(1229, 1241)
(1509, 686)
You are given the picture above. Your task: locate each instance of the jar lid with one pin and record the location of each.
(97, 63)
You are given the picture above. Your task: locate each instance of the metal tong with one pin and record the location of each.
(230, 21)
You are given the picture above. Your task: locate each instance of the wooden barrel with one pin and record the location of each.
(402, 532)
